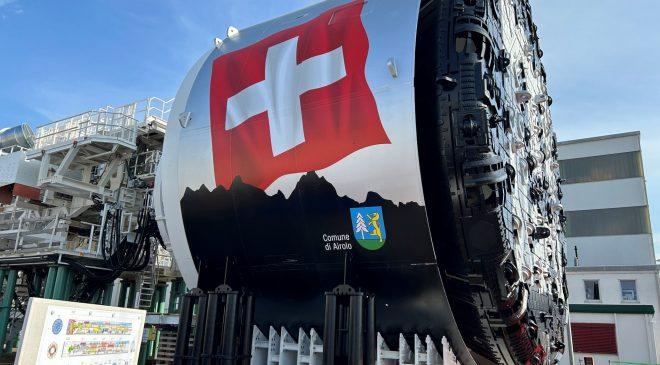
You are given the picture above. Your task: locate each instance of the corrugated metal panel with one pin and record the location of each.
(594, 338)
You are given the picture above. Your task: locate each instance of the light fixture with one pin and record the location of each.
(232, 32)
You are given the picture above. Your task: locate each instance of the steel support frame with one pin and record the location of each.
(223, 334)
(58, 181)
(349, 330)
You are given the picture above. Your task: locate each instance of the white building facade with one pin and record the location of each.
(612, 276)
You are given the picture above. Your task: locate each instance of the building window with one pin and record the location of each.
(628, 290)
(588, 360)
(608, 222)
(591, 290)
(600, 168)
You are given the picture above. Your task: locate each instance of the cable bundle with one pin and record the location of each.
(119, 253)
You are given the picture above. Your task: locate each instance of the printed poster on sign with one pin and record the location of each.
(74, 336)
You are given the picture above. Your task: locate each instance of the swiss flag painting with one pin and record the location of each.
(296, 101)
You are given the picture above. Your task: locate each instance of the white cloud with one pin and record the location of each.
(6, 2)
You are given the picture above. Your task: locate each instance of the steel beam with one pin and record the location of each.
(162, 303)
(37, 281)
(107, 293)
(185, 327)
(202, 301)
(60, 282)
(355, 329)
(121, 302)
(44, 167)
(68, 289)
(246, 341)
(131, 295)
(150, 343)
(50, 282)
(330, 329)
(178, 288)
(96, 297)
(157, 343)
(5, 306)
(110, 169)
(228, 340)
(142, 359)
(209, 342)
(371, 331)
(67, 160)
(155, 300)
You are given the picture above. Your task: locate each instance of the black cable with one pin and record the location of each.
(119, 254)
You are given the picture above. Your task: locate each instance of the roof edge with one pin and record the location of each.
(612, 308)
(599, 138)
(613, 268)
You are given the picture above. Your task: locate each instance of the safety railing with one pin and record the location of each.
(21, 231)
(154, 107)
(119, 122)
(110, 124)
(24, 229)
(95, 123)
(11, 149)
(164, 264)
(163, 258)
(86, 243)
(9, 219)
(145, 163)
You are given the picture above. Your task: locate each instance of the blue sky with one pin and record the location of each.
(601, 58)
(59, 58)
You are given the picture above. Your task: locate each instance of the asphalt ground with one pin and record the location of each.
(7, 359)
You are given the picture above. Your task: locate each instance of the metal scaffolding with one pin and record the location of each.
(60, 192)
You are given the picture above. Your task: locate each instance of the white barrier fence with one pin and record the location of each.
(281, 348)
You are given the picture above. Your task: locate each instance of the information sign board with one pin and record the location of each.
(59, 333)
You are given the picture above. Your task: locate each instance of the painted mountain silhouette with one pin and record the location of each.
(245, 223)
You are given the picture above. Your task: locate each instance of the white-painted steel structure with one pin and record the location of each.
(280, 347)
(58, 190)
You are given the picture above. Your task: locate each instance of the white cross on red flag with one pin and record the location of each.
(296, 101)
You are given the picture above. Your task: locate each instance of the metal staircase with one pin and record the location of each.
(166, 347)
(147, 282)
(147, 289)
